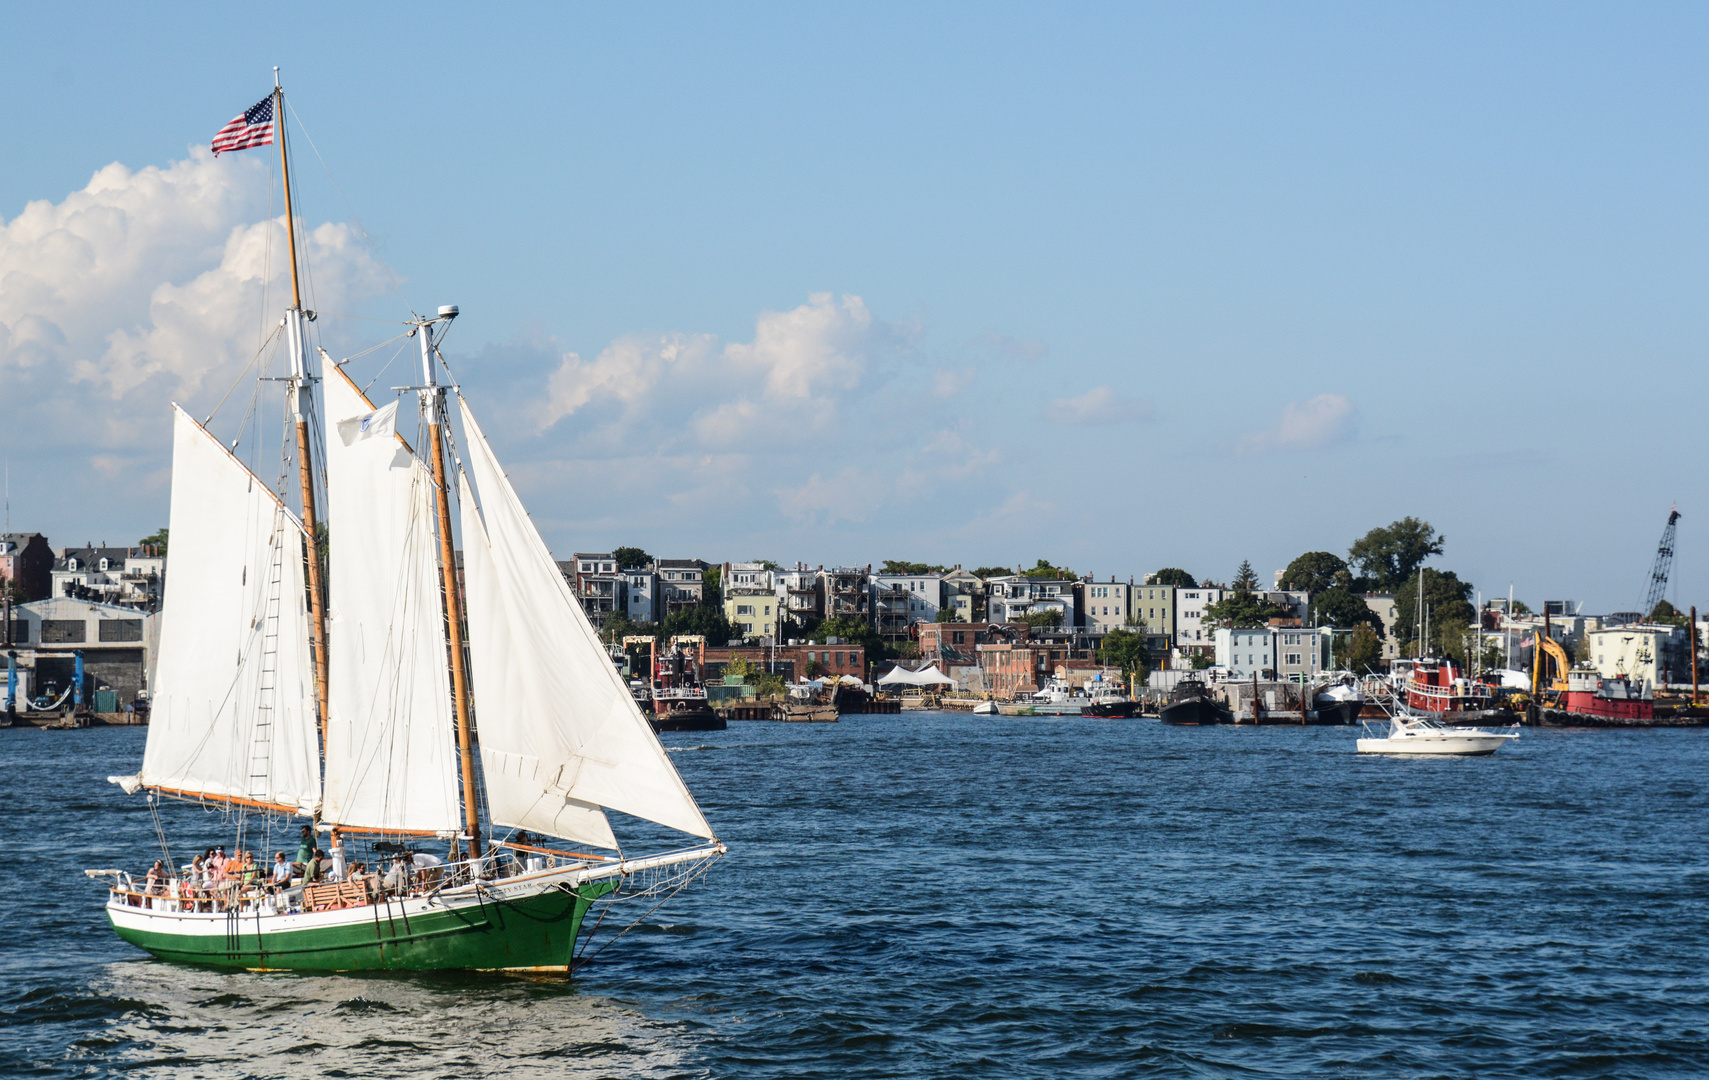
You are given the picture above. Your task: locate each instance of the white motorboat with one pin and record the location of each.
(1409, 733)
(985, 708)
(1056, 698)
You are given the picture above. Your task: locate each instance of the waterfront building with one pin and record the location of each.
(898, 601)
(964, 595)
(117, 644)
(1154, 606)
(752, 610)
(596, 582)
(1014, 596)
(1243, 652)
(642, 594)
(128, 577)
(1382, 605)
(682, 584)
(26, 559)
(798, 594)
(1643, 652)
(1190, 605)
(843, 592)
(1103, 605)
(791, 663)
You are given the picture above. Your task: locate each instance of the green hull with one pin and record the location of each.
(536, 932)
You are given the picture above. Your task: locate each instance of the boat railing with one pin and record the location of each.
(263, 895)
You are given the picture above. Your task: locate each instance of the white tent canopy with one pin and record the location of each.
(929, 676)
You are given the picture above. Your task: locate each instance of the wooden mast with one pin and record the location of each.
(433, 403)
(301, 389)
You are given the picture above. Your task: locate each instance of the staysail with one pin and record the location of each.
(560, 734)
(234, 701)
(391, 757)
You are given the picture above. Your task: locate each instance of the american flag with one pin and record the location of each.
(253, 128)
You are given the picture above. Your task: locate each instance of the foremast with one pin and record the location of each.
(301, 381)
(433, 413)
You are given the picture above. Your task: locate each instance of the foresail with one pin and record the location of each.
(391, 758)
(234, 703)
(560, 732)
(521, 792)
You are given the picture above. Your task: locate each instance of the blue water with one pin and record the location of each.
(942, 896)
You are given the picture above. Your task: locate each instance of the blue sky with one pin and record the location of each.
(1118, 286)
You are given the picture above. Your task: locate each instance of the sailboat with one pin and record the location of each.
(350, 703)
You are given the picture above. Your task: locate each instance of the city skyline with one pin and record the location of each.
(1122, 290)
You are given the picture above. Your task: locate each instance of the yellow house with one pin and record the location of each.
(753, 612)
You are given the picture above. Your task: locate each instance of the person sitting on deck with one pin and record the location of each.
(155, 884)
(312, 871)
(196, 874)
(250, 875)
(281, 870)
(217, 861)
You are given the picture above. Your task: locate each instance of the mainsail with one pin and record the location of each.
(391, 756)
(560, 734)
(234, 703)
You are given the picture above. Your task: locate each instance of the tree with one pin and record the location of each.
(1126, 650)
(767, 564)
(1202, 660)
(711, 587)
(1361, 652)
(157, 539)
(1171, 575)
(1244, 579)
(1242, 607)
(619, 626)
(1316, 571)
(992, 571)
(897, 566)
(1388, 556)
(705, 620)
(1049, 617)
(1043, 569)
(1521, 608)
(1447, 599)
(631, 558)
(1667, 614)
(856, 631)
(1338, 607)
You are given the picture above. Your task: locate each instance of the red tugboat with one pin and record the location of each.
(679, 695)
(1592, 701)
(1437, 688)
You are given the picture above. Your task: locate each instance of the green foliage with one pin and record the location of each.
(1316, 571)
(767, 564)
(1242, 607)
(1361, 652)
(1171, 575)
(1244, 579)
(1338, 607)
(1202, 660)
(1388, 556)
(712, 587)
(1043, 569)
(1126, 650)
(1050, 617)
(705, 620)
(897, 566)
(856, 631)
(992, 571)
(631, 558)
(1667, 614)
(742, 668)
(156, 539)
(1521, 608)
(814, 669)
(1447, 599)
(619, 626)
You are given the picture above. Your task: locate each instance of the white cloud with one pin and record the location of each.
(1099, 405)
(1321, 420)
(950, 382)
(144, 287)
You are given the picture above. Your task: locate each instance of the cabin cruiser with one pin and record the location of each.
(1338, 701)
(1056, 698)
(1107, 699)
(1411, 733)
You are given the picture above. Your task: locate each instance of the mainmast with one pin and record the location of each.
(302, 405)
(433, 411)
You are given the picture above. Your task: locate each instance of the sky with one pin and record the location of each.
(1117, 286)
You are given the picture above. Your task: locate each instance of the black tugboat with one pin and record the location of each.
(679, 695)
(1190, 703)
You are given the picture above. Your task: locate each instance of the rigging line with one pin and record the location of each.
(364, 318)
(372, 247)
(244, 372)
(687, 880)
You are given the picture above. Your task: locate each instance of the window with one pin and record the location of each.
(1293, 658)
(58, 631)
(741, 609)
(71, 564)
(121, 629)
(103, 565)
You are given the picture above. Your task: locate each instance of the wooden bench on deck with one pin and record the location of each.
(333, 896)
